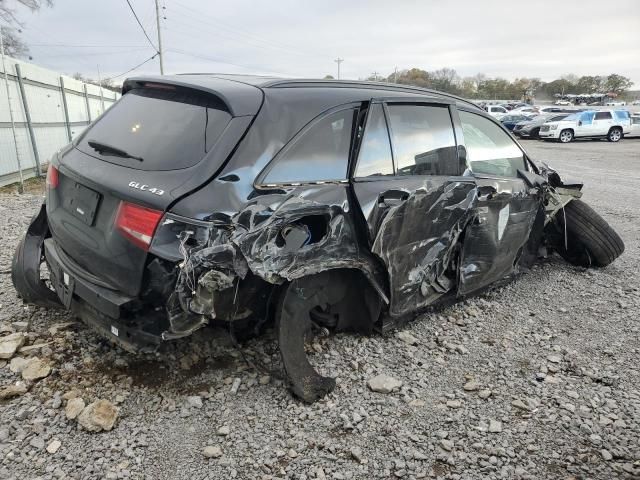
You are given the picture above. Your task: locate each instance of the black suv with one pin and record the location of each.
(326, 205)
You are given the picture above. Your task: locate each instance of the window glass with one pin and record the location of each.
(169, 129)
(320, 153)
(621, 114)
(587, 118)
(423, 140)
(636, 120)
(375, 153)
(489, 149)
(603, 116)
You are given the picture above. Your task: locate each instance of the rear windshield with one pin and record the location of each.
(163, 128)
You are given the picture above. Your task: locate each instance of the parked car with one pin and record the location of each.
(526, 110)
(559, 110)
(530, 128)
(634, 130)
(636, 102)
(615, 103)
(609, 124)
(496, 111)
(317, 205)
(562, 102)
(510, 121)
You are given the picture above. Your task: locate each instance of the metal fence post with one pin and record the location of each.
(13, 123)
(66, 109)
(25, 104)
(86, 101)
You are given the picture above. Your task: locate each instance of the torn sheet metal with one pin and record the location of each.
(417, 239)
(496, 239)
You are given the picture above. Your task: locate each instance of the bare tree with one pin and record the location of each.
(13, 45)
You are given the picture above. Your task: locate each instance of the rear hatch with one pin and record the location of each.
(108, 191)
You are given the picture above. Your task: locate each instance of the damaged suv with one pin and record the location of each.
(325, 205)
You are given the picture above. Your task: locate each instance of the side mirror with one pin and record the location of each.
(579, 123)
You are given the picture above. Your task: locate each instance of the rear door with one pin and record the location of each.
(415, 203)
(506, 206)
(602, 123)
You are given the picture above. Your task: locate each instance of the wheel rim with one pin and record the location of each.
(565, 137)
(615, 135)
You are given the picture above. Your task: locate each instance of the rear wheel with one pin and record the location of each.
(590, 241)
(535, 133)
(566, 136)
(615, 134)
(313, 306)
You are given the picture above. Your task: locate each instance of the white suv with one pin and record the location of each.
(496, 111)
(609, 124)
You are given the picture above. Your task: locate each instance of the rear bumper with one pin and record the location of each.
(69, 281)
(113, 314)
(109, 312)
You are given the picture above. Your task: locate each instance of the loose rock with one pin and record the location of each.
(10, 344)
(74, 407)
(36, 369)
(384, 384)
(97, 416)
(212, 451)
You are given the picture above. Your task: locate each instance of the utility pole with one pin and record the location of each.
(395, 75)
(13, 125)
(375, 76)
(159, 39)
(339, 61)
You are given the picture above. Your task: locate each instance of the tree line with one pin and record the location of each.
(481, 86)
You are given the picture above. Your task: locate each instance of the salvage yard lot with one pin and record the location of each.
(537, 379)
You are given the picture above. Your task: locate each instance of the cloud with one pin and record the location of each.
(302, 38)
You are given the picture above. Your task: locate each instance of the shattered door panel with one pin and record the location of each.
(416, 240)
(495, 240)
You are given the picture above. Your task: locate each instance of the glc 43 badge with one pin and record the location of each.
(146, 188)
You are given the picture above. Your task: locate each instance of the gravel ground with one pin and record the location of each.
(538, 379)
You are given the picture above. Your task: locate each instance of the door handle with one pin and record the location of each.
(391, 198)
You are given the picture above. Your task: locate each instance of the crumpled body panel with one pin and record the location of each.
(416, 240)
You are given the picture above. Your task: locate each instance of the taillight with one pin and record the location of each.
(52, 176)
(137, 223)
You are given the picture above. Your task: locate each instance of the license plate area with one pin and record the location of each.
(64, 285)
(81, 202)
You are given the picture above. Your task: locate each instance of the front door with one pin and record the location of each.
(415, 202)
(506, 206)
(586, 126)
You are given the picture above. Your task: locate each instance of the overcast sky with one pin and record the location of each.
(507, 38)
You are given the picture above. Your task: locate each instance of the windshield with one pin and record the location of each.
(157, 129)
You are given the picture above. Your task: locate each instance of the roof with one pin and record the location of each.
(241, 93)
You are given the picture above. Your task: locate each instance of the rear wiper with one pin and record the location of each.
(110, 150)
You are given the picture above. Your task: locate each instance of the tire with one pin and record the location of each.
(535, 133)
(614, 135)
(565, 136)
(332, 300)
(590, 241)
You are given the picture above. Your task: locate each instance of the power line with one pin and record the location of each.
(84, 46)
(140, 23)
(226, 62)
(134, 68)
(198, 16)
(96, 54)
